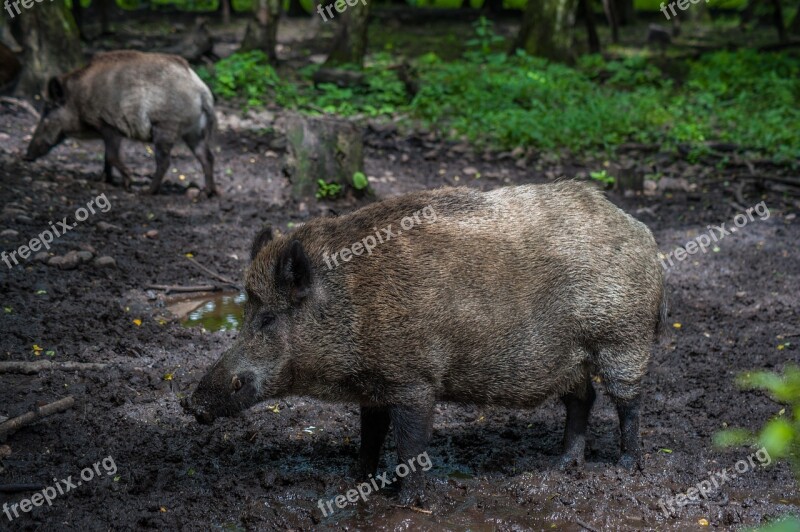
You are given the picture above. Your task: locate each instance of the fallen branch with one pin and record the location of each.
(21, 104)
(20, 488)
(29, 368)
(585, 525)
(13, 425)
(174, 289)
(214, 274)
(414, 509)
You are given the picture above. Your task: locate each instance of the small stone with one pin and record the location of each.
(42, 256)
(152, 233)
(23, 219)
(84, 256)
(5, 450)
(9, 233)
(792, 216)
(192, 193)
(107, 227)
(105, 262)
(55, 261)
(70, 261)
(470, 170)
(151, 295)
(83, 246)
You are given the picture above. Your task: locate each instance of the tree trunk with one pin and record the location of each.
(778, 18)
(794, 25)
(225, 8)
(322, 148)
(624, 11)
(77, 14)
(591, 28)
(546, 29)
(50, 43)
(747, 13)
(350, 43)
(613, 20)
(262, 32)
(9, 68)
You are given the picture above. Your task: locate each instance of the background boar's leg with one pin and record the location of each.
(113, 141)
(628, 412)
(412, 423)
(202, 150)
(163, 140)
(374, 427)
(578, 404)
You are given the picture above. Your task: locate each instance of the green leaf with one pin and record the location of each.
(777, 436)
(360, 181)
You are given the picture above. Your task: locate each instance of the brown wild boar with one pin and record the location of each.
(126, 94)
(498, 298)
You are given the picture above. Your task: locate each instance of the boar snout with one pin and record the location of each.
(222, 394)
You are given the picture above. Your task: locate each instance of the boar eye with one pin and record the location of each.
(236, 384)
(266, 319)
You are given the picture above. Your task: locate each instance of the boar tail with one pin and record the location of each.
(211, 120)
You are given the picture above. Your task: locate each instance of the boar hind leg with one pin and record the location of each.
(578, 403)
(163, 140)
(113, 141)
(622, 373)
(412, 424)
(374, 427)
(202, 150)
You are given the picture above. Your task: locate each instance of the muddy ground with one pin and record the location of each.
(737, 307)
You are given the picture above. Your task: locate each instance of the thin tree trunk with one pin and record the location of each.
(546, 29)
(591, 27)
(77, 14)
(613, 21)
(778, 18)
(794, 25)
(350, 43)
(747, 13)
(50, 43)
(225, 8)
(262, 32)
(625, 12)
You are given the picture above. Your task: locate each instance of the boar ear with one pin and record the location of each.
(293, 271)
(55, 91)
(262, 238)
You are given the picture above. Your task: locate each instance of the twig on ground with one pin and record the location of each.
(184, 289)
(414, 509)
(21, 104)
(214, 274)
(30, 368)
(585, 525)
(20, 488)
(13, 425)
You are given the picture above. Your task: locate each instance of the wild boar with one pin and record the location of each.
(127, 94)
(498, 298)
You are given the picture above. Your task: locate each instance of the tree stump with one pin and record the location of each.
(323, 148)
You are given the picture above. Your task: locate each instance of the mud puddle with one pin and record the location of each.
(221, 311)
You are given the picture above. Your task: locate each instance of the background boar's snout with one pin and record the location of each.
(202, 416)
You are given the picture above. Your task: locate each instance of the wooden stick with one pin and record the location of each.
(184, 289)
(13, 425)
(22, 104)
(214, 274)
(30, 368)
(19, 488)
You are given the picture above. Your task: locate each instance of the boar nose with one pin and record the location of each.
(202, 416)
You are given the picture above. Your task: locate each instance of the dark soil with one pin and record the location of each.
(492, 468)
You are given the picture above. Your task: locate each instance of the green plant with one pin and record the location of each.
(781, 435)
(485, 38)
(603, 177)
(360, 181)
(326, 190)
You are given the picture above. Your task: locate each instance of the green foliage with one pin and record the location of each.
(603, 177)
(360, 181)
(248, 76)
(485, 39)
(781, 435)
(327, 190)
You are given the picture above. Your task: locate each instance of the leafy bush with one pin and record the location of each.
(781, 435)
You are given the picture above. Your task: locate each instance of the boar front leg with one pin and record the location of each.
(374, 427)
(202, 150)
(412, 424)
(113, 141)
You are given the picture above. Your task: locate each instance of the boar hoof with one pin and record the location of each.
(629, 462)
(413, 496)
(569, 461)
